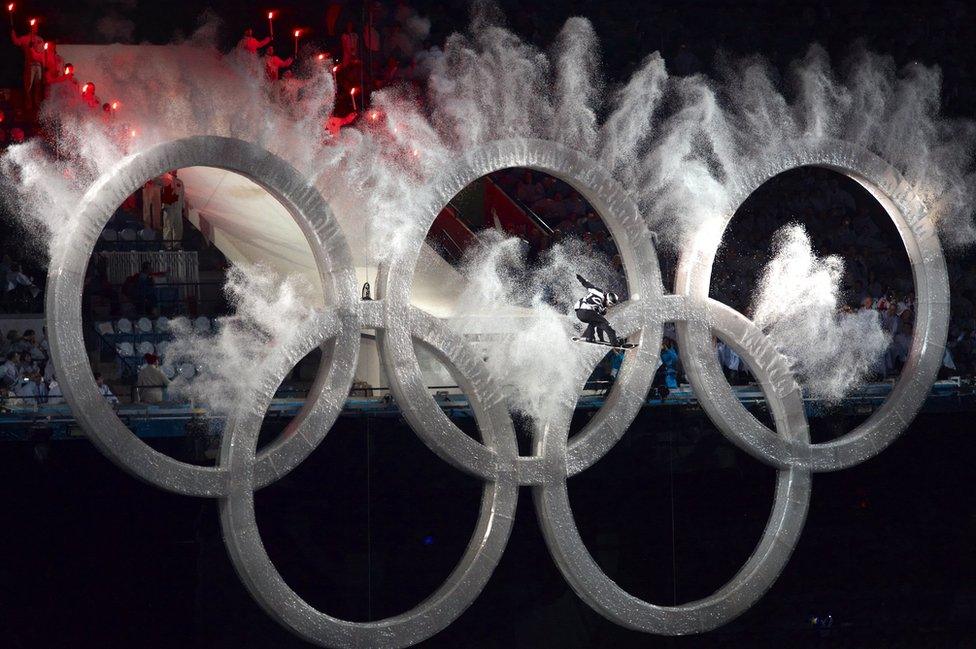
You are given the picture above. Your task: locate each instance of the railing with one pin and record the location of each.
(168, 298)
(529, 213)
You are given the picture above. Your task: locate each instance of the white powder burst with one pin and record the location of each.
(269, 310)
(798, 306)
(527, 308)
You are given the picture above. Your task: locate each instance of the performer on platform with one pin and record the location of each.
(592, 310)
(274, 64)
(33, 46)
(251, 44)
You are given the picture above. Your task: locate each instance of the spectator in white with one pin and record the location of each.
(27, 364)
(28, 390)
(9, 372)
(49, 371)
(16, 279)
(906, 303)
(890, 319)
(900, 346)
(33, 46)
(250, 44)
(174, 204)
(104, 390)
(273, 64)
(54, 396)
(152, 208)
(151, 380)
(44, 345)
(29, 344)
(350, 44)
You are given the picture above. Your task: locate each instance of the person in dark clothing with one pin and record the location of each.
(592, 310)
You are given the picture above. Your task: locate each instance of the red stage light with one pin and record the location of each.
(10, 7)
(84, 89)
(321, 57)
(115, 105)
(298, 33)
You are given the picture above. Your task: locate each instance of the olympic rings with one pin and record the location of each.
(495, 460)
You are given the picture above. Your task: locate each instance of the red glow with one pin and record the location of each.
(298, 33)
(68, 69)
(115, 105)
(353, 90)
(33, 21)
(374, 115)
(335, 68)
(10, 7)
(270, 15)
(45, 47)
(84, 89)
(321, 57)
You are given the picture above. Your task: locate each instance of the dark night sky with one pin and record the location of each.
(942, 33)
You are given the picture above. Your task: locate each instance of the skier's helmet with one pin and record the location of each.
(612, 298)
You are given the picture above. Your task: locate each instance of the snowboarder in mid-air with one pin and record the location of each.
(592, 310)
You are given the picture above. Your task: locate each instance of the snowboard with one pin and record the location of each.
(603, 344)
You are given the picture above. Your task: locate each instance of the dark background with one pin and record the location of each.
(93, 558)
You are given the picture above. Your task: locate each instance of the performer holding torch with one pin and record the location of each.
(33, 46)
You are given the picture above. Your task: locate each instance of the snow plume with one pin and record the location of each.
(269, 311)
(682, 146)
(526, 308)
(798, 306)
